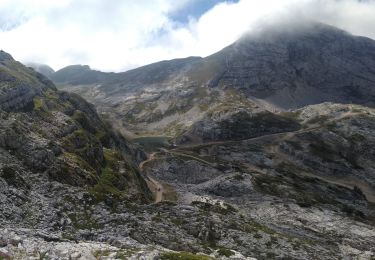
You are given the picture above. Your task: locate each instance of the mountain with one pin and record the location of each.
(294, 67)
(274, 68)
(42, 69)
(78, 75)
(54, 143)
(245, 160)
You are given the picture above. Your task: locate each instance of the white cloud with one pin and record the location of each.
(121, 34)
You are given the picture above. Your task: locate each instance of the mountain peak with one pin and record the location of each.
(4, 56)
(292, 31)
(41, 68)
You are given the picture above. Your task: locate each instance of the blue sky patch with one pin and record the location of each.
(195, 9)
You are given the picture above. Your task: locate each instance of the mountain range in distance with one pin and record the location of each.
(276, 69)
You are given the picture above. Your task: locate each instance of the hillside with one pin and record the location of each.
(52, 143)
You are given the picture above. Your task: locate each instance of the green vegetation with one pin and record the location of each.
(126, 253)
(183, 256)
(38, 103)
(178, 221)
(351, 211)
(184, 156)
(291, 115)
(157, 218)
(238, 177)
(43, 255)
(174, 129)
(294, 144)
(223, 209)
(222, 251)
(80, 162)
(110, 179)
(323, 151)
(86, 146)
(84, 220)
(82, 119)
(40, 107)
(307, 191)
(12, 178)
(356, 138)
(251, 226)
(321, 119)
(101, 253)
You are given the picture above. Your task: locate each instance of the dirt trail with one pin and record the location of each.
(157, 189)
(155, 186)
(149, 159)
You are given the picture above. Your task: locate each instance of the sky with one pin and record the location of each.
(117, 35)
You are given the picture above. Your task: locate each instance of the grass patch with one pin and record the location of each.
(255, 227)
(110, 179)
(323, 151)
(321, 119)
(183, 256)
(83, 220)
(223, 251)
(223, 209)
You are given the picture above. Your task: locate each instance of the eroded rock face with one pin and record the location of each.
(60, 135)
(301, 65)
(237, 125)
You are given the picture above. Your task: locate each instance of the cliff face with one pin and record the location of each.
(58, 137)
(295, 67)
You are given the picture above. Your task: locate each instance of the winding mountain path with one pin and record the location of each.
(155, 186)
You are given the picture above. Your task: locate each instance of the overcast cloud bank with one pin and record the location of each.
(116, 35)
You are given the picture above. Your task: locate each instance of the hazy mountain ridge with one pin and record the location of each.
(41, 68)
(79, 75)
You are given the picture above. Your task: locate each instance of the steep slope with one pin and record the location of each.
(299, 65)
(55, 139)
